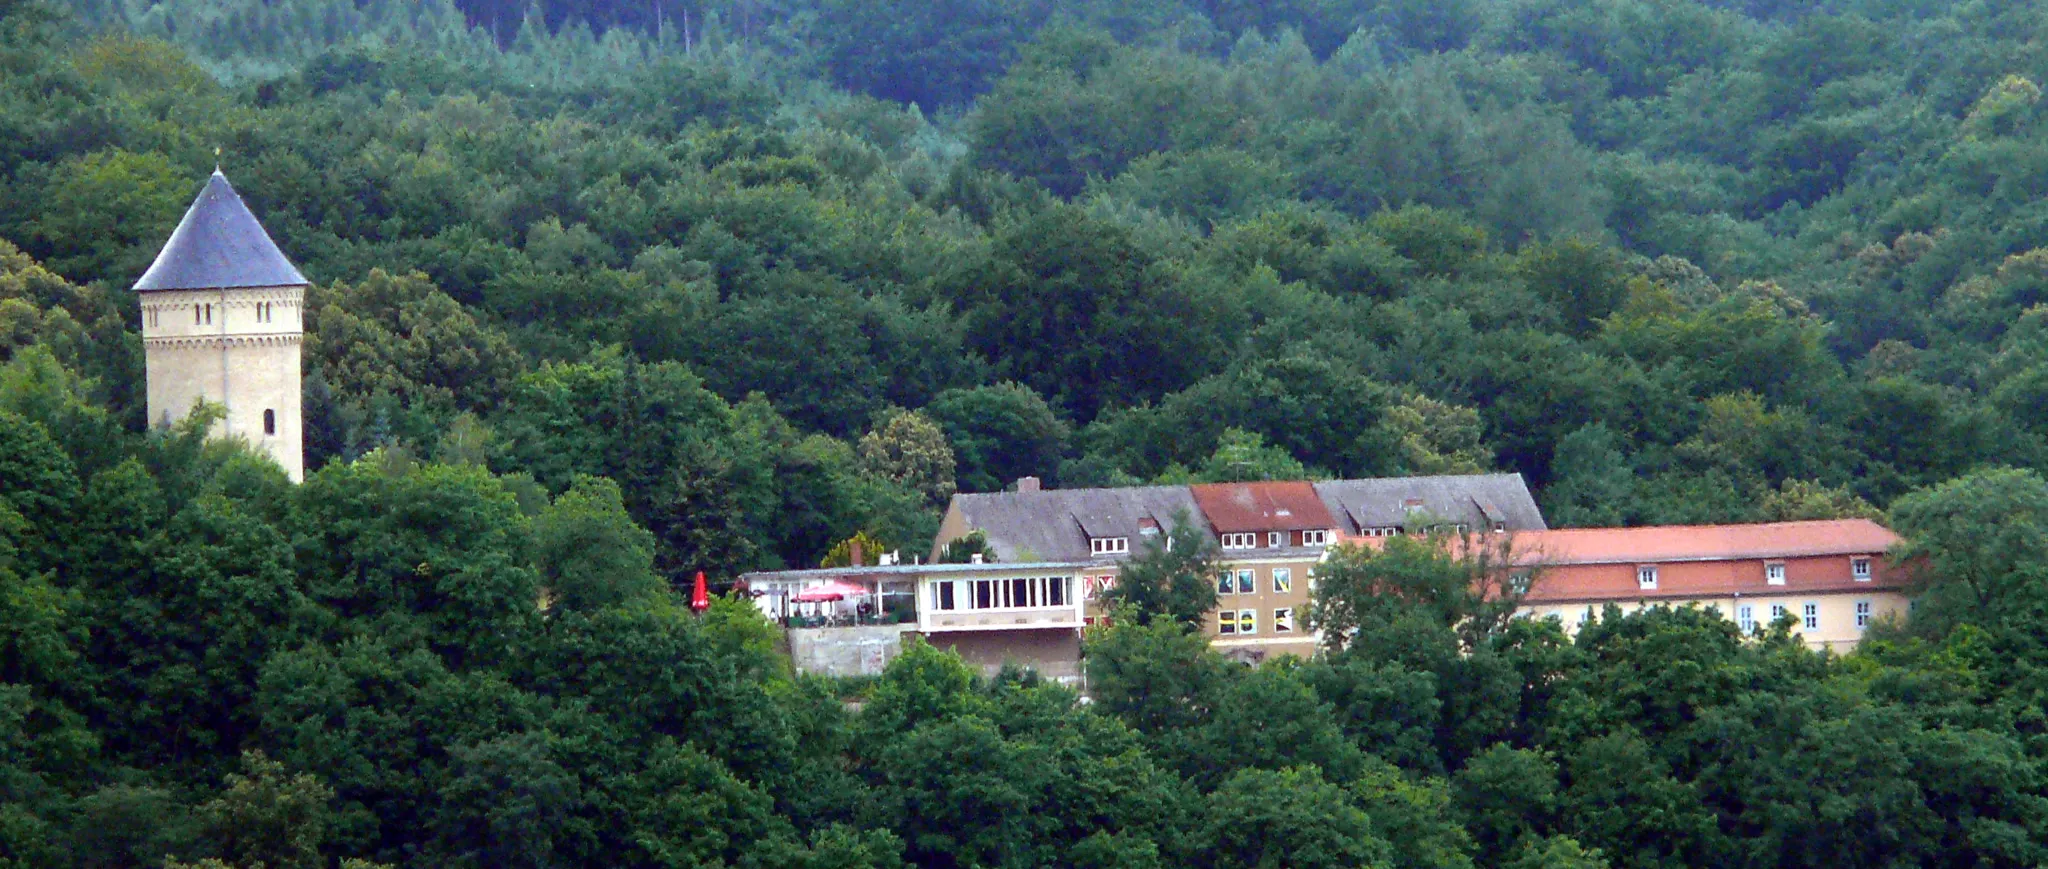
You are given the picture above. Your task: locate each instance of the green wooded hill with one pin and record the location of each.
(609, 293)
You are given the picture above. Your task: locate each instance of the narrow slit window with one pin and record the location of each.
(270, 422)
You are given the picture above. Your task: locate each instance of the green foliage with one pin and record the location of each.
(1173, 577)
(637, 281)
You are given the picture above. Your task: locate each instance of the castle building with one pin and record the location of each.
(222, 323)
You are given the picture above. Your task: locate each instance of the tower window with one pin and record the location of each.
(270, 422)
(195, 316)
(209, 314)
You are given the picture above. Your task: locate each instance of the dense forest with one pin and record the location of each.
(609, 293)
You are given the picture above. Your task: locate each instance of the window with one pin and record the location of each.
(980, 594)
(1226, 622)
(153, 318)
(270, 422)
(1247, 581)
(1745, 618)
(1585, 616)
(195, 316)
(1774, 574)
(1777, 612)
(1315, 537)
(1276, 539)
(1283, 621)
(1812, 616)
(209, 314)
(1096, 585)
(1383, 531)
(1247, 621)
(1283, 580)
(1500, 526)
(1863, 614)
(1224, 583)
(1109, 545)
(1518, 582)
(1860, 568)
(1240, 541)
(1646, 577)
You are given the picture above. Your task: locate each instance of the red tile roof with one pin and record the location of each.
(1599, 564)
(1672, 543)
(1271, 506)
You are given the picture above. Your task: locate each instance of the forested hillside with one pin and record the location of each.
(606, 294)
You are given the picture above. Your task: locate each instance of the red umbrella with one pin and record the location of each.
(700, 597)
(834, 590)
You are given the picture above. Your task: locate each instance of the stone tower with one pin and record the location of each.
(221, 322)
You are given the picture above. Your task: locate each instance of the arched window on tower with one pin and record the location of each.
(195, 315)
(270, 422)
(209, 315)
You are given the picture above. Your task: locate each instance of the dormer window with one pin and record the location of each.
(1646, 577)
(1109, 545)
(1860, 568)
(1316, 537)
(1240, 541)
(1276, 539)
(1774, 574)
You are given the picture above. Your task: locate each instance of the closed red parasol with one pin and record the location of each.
(700, 597)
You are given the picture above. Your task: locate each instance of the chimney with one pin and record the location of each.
(1027, 484)
(855, 556)
(976, 558)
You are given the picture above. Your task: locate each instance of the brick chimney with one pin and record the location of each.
(856, 556)
(1027, 484)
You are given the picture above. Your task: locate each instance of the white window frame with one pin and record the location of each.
(1226, 623)
(1774, 573)
(1811, 612)
(1247, 623)
(1240, 541)
(1283, 580)
(1500, 526)
(1247, 580)
(1745, 619)
(1777, 612)
(1862, 614)
(1860, 569)
(1109, 545)
(1646, 577)
(1276, 539)
(1315, 537)
(1283, 620)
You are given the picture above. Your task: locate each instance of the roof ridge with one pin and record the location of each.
(219, 244)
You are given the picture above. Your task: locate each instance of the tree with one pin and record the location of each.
(999, 433)
(1507, 797)
(1294, 817)
(1173, 578)
(267, 818)
(908, 449)
(1978, 546)
(1466, 582)
(860, 550)
(589, 552)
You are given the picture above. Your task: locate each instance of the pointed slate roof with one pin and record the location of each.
(219, 245)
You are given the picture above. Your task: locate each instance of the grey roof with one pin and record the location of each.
(908, 570)
(1479, 499)
(219, 245)
(1055, 524)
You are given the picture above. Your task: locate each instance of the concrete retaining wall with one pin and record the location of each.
(847, 651)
